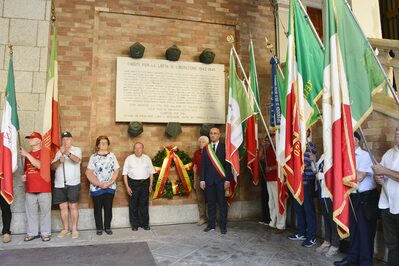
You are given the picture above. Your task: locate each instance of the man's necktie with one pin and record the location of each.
(214, 147)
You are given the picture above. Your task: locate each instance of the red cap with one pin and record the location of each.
(34, 135)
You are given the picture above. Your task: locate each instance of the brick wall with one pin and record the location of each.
(93, 33)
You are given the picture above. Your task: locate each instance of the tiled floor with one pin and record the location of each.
(246, 243)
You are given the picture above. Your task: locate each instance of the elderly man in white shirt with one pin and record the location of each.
(66, 191)
(387, 174)
(138, 174)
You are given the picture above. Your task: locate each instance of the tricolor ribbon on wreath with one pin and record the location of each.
(164, 172)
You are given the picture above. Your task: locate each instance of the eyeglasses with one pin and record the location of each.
(103, 143)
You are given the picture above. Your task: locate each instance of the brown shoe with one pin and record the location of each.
(6, 238)
(201, 222)
(279, 231)
(75, 234)
(63, 233)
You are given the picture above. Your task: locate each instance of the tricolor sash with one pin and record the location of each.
(215, 161)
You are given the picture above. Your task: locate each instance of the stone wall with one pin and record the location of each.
(25, 25)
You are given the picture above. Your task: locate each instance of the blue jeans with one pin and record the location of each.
(305, 213)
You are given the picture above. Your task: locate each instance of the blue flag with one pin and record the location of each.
(275, 111)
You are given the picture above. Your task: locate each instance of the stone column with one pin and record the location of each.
(25, 25)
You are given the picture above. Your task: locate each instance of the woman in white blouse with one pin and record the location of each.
(102, 172)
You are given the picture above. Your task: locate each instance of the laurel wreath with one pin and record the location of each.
(157, 162)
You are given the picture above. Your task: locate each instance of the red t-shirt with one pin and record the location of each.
(197, 161)
(270, 162)
(34, 182)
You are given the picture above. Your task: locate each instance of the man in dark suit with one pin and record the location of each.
(215, 178)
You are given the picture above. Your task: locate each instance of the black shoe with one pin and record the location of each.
(134, 229)
(207, 229)
(146, 228)
(99, 232)
(223, 231)
(108, 231)
(344, 262)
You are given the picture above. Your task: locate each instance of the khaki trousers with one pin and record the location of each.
(276, 219)
(200, 199)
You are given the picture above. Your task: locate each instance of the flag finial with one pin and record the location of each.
(10, 48)
(269, 46)
(53, 17)
(230, 39)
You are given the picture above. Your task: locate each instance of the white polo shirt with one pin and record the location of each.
(389, 198)
(72, 169)
(138, 168)
(363, 164)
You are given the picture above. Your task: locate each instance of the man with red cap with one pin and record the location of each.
(38, 192)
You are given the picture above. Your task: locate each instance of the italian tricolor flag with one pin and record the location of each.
(238, 112)
(51, 128)
(351, 76)
(302, 87)
(251, 136)
(9, 138)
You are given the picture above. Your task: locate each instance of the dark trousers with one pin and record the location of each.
(390, 223)
(6, 215)
(362, 231)
(101, 202)
(215, 194)
(330, 227)
(264, 200)
(306, 213)
(138, 202)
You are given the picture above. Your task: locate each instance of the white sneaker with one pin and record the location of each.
(309, 243)
(324, 247)
(297, 237)
(332, 252)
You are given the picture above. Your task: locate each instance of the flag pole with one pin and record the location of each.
(311, 25)
(394, 94)
(230, 39)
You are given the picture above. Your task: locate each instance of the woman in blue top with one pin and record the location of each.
(102, 172)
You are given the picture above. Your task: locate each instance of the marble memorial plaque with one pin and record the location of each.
(161, 91)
